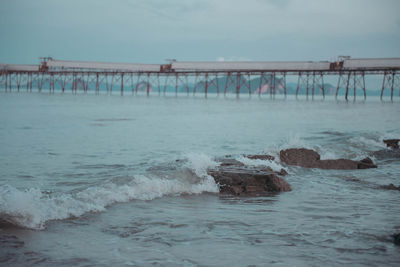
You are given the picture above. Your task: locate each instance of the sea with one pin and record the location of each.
(110, 180)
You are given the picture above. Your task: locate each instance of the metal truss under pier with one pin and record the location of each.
(254, 78)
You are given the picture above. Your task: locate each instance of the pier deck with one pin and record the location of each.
(194, 77)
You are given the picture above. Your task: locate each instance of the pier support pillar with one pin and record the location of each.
(391, 80)
(122, 84)
(303, 81)
(352, 79)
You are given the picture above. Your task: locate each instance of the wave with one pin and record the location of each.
(275, 166)
(200, 163)
(373, 140)
(334, 145)
(32, 208)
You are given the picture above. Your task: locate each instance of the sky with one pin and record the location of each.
(151, 31)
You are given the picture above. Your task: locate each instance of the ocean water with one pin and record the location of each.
(91, 180)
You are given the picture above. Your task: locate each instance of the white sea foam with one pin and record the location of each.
(32, 209)
(275, 166)
(293, 141)
(200, 163)
(373, 141)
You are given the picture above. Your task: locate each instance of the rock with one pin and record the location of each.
(248, 182)
(299, 156)
(366, 163)
(262, 157)
(236, 178)
(311, 159)
(390, 187)
(283, 172)
(336, 164)
(396, 239)
(393, 143)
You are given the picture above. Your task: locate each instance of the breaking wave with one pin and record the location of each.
(258, 162)
(32, 208)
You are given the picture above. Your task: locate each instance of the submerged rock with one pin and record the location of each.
(396, 239)
(393, 143)
(336, 164)
(311, 159)
(262, 157)
(390, 187)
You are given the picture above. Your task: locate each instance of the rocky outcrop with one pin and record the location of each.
(366, 163)
(235, 178)
(311, 159)
(299, 157)
(249, 183)
(393, 143)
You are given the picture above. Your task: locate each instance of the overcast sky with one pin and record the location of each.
(151, 31)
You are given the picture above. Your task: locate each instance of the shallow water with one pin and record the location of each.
(108, 180)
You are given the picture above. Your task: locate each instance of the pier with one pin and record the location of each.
(199, 77)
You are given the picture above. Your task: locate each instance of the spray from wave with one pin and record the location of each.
(258, 162)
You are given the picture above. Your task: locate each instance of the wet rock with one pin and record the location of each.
(299, 157)
(396, 239)
(236, 178)
(390, 187)
(366, 163)
(336, 164)
(393, 143)
(262, 157)
(311, 159)
(248, 182)
(283, 172)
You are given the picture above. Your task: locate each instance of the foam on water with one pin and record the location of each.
(31, 208)
(373, 141)
(200, 163)
(275, 166)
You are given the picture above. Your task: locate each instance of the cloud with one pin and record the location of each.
(233, 58)
(197, 29)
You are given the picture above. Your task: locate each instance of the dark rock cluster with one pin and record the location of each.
(311, 159)
(236, 178)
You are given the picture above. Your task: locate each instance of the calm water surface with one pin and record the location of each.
(110, 181)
